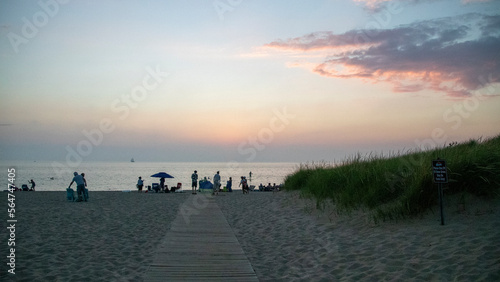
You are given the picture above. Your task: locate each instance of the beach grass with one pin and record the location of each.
(401, 185)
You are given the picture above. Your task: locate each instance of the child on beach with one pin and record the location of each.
(32, 185)
(84, 191)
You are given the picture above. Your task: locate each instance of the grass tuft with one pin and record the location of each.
(401, 185)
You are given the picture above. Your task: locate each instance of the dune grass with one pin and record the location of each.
(401, 185)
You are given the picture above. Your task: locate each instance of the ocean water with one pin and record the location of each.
(119, 176)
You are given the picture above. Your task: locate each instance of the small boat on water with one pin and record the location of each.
(132, 160)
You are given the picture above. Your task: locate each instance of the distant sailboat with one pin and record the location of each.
(132, 160)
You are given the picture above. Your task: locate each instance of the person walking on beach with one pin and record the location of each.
(32, 185)
(244, 185)
(194, 181)
(80, 185)
(216, 184)
(140, 184)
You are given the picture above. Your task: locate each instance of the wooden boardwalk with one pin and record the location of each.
(200, 246)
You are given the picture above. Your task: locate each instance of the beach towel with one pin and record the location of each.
(70, 194)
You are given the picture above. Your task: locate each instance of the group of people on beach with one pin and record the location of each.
(81, 184)
(161, 188)
(215, 187)
(217, 183)
(269, 187)
(25, 187)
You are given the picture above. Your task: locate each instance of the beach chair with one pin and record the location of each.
(179, 187)
(156, 187)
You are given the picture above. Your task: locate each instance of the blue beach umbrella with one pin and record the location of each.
(162, 174)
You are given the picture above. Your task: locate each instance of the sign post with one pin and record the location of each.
(440, 176)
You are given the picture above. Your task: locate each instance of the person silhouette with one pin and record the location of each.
(194, 181)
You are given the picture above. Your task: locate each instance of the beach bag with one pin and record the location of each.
(70, 194)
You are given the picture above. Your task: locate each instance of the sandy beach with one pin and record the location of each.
(109, 238)
(113, 238)
(286, 239)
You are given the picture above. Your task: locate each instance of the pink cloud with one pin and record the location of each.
(377, 5)
(447, 55)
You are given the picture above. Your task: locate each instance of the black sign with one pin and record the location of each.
(439, 171)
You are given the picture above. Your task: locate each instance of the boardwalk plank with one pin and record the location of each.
(200, 246)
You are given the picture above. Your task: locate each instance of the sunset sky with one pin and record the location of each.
(241, 80)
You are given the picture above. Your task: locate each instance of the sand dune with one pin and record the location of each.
(286, 239)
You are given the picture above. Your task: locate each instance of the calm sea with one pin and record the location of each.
(118, 176)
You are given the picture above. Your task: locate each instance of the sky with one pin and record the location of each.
(244, 81)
